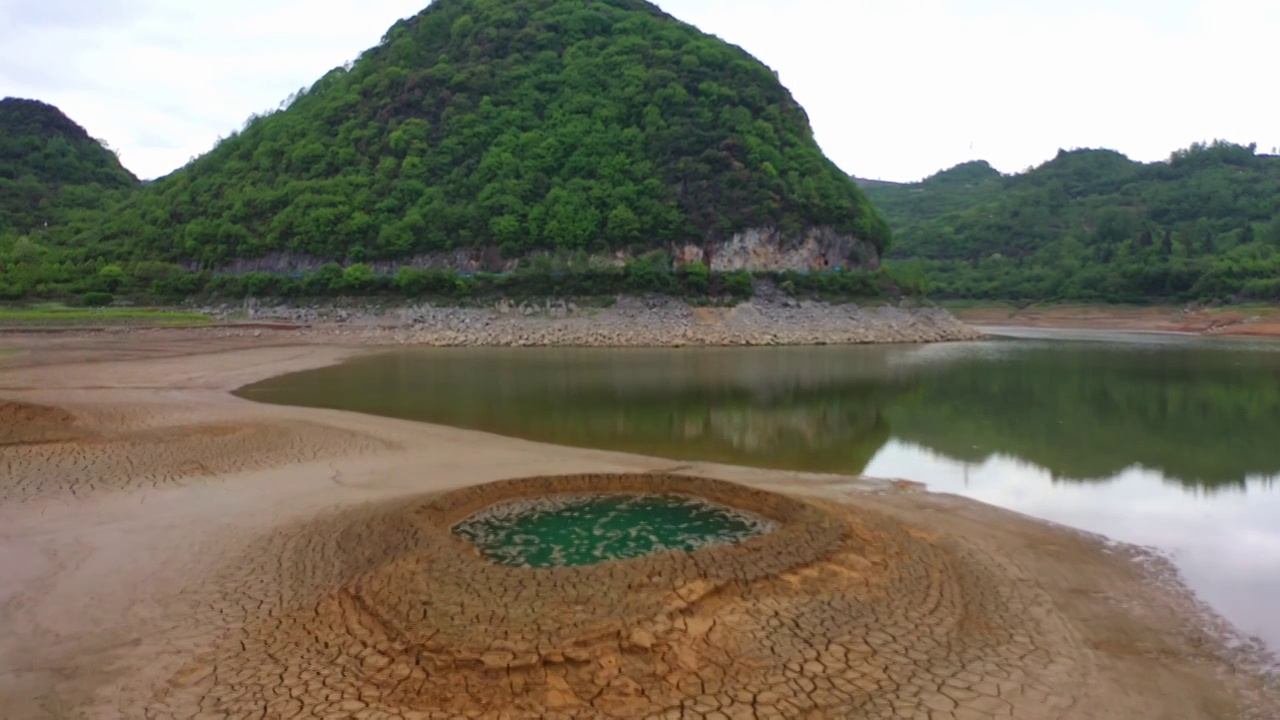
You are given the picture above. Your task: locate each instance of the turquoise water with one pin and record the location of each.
(568, 530)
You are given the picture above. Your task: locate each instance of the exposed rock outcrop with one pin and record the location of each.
(771, 249)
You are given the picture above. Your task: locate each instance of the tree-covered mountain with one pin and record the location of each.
(594, 125)
(50, 168)
(1094, 225)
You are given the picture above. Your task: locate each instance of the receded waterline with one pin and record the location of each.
(572, 530)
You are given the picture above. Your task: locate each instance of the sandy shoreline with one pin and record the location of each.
(148, 518)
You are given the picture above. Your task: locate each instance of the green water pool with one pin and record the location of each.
(570, 530)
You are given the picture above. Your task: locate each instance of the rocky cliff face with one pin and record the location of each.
(754, 249)
(771, 249)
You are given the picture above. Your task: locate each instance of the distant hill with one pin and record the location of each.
(50, 166)
(598, 126)
(947, 191)
(1095, 225)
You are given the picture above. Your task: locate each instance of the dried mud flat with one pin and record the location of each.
(170, 551)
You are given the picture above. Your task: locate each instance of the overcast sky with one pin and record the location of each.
(895, 89)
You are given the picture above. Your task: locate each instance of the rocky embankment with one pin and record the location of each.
(629, 322)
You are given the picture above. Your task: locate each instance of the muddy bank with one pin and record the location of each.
(628, 322)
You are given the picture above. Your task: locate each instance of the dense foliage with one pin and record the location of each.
(97, 283)
(1093, 225)
(51, 169)
(522, 124)
(649, 274)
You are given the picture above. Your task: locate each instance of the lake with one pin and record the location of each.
(1165, 441)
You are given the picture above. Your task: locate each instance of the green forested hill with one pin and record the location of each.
(588, 125)
(1094, 225)
(50, 168)
(948, 191)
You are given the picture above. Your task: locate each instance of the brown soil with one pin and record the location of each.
(173, 552)
(1256, 322)
(22, 423)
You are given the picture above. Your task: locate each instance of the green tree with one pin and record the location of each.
(358, 278)
(112, 277)
(1272, 234)
(696, 277)
(623, 225)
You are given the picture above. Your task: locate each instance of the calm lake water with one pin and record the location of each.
(1165, 441)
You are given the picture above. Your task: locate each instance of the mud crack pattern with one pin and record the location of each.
(47, 452)
(838, 613)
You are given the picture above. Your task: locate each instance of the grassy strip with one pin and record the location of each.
(48, 316)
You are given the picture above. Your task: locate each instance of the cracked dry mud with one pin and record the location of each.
(179, 554)
(49, 451)
(835, 613)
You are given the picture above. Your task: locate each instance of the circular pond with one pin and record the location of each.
(569, 530)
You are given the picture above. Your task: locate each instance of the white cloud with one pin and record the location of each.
(899, 90)
(164, 79)
(895, 90)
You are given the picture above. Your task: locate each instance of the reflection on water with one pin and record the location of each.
(1159, 440)
(1204, 416)
(1226, 543)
